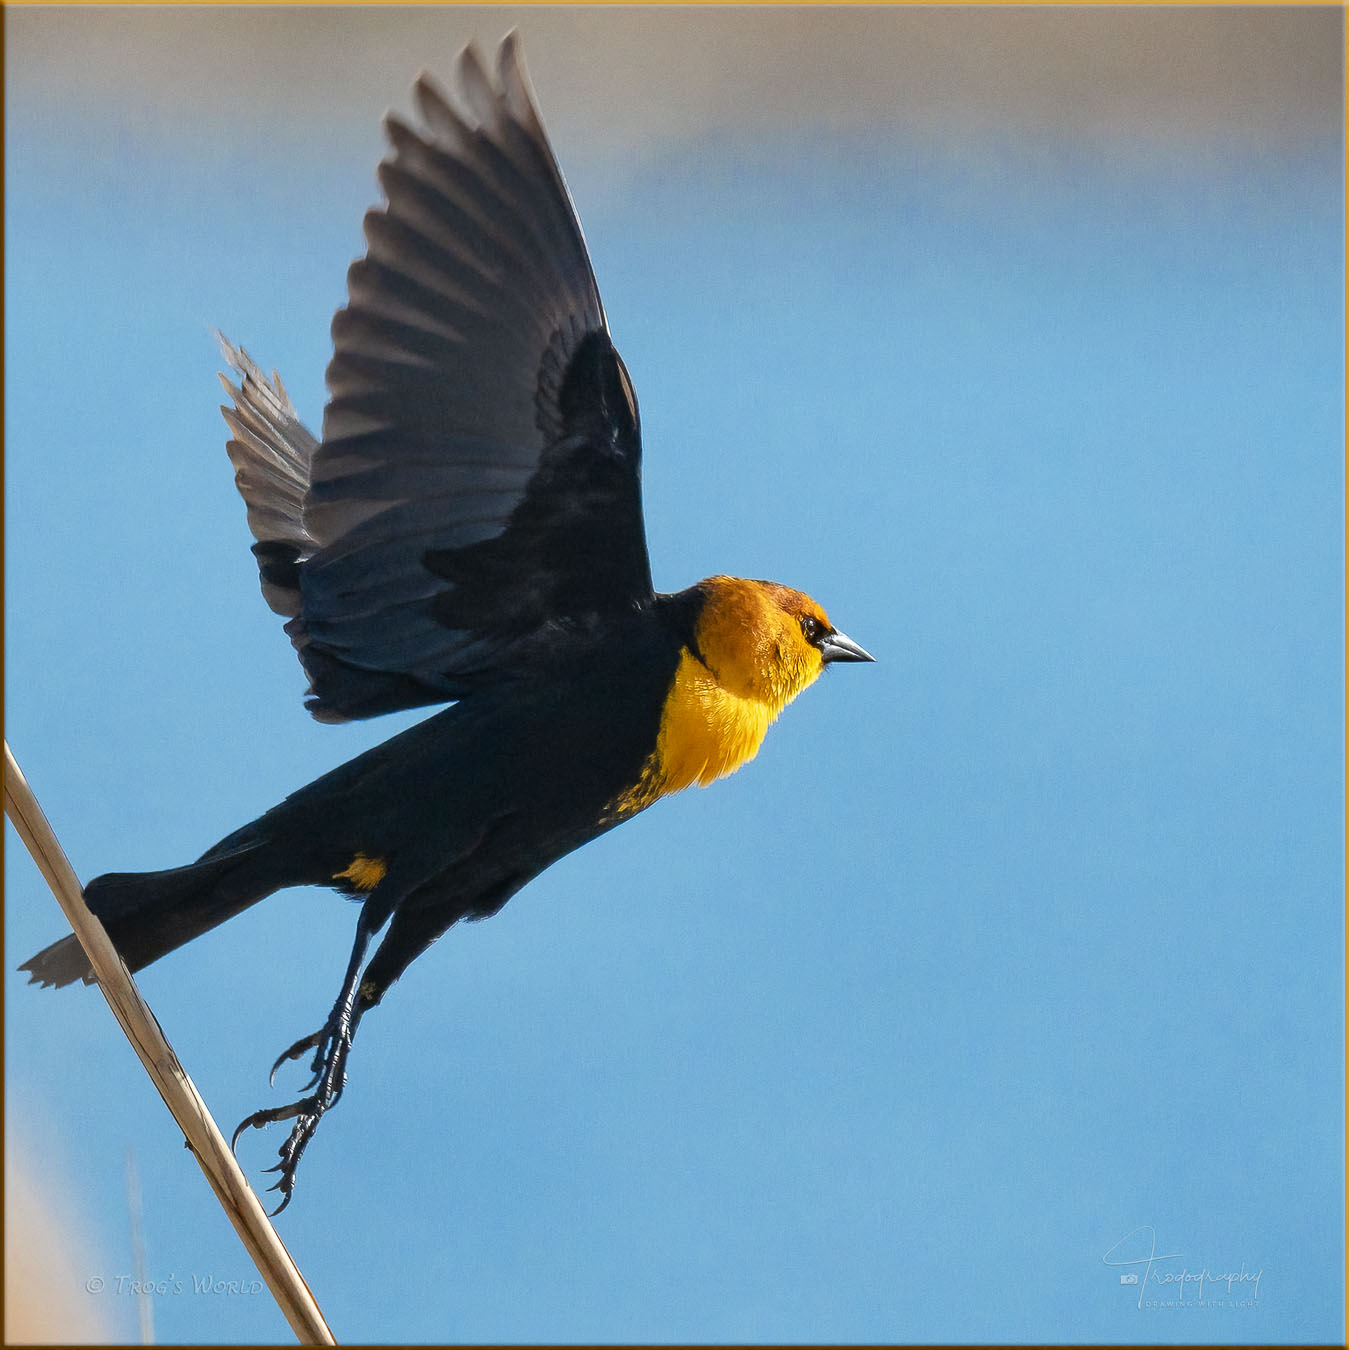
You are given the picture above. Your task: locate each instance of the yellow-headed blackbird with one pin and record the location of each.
(468, 528)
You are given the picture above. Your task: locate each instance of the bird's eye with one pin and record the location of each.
(813, 629)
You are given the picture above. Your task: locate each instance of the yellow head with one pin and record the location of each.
(753, 646)
(765, 642)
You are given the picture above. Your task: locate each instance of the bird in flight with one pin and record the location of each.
(467, 530)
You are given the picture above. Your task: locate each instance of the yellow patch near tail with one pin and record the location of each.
(364, 873)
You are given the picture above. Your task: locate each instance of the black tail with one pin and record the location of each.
(148, 914)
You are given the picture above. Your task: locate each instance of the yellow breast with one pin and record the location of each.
(706, 733)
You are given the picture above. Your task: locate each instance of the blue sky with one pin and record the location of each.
(1016, 341)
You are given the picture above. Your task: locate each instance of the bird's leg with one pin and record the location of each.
(331, 1046)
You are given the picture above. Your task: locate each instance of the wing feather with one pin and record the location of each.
(478, 475)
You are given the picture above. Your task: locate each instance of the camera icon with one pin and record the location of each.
(1129, 1279)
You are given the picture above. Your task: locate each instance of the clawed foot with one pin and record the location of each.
(331, 1047)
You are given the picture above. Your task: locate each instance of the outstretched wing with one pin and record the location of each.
(478, 474)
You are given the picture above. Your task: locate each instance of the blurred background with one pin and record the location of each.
(1012, 335)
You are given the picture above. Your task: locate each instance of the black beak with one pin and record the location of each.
(837, 647)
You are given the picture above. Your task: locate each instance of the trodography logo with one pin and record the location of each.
(1170, 1280)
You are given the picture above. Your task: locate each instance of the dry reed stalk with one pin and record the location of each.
(208, 1145)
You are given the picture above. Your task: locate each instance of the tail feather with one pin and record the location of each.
(149, 914)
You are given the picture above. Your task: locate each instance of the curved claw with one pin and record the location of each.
(256, 1120)
(310, 1042)
(285, 1199)
(269, 1115)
